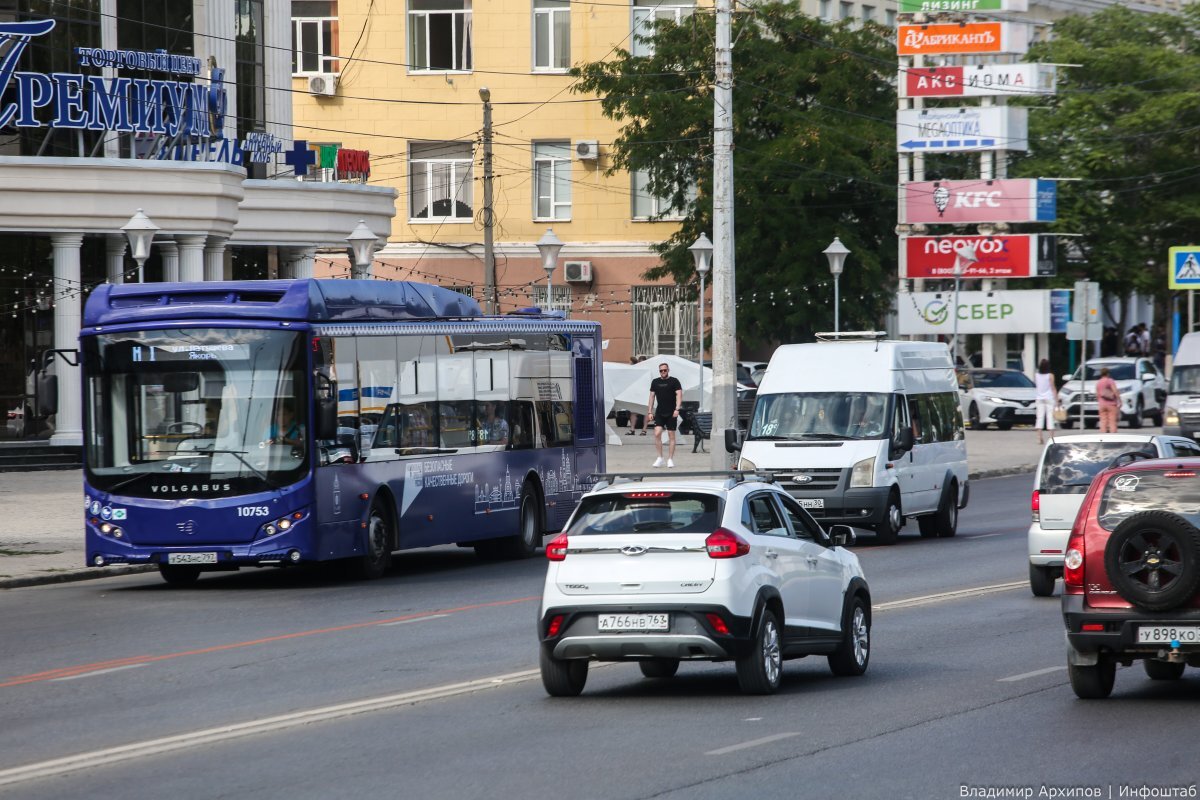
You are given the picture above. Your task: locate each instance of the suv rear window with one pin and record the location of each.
(647, 512)
(1069, 468)
(1127, 493)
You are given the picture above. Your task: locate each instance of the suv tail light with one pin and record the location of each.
(557, 549)
(1035, 505)
(724, 543)
(1073, 562)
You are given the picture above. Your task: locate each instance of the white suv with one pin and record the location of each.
(1143, 391)
(660, 571)
(1064, 474)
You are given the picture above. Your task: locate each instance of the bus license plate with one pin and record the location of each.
(1165, 634)
(818, 503)
(191, 558)
(635, 622)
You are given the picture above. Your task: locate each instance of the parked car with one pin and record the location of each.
(1004, 397)
(1064, 473)
(1143, 391)
(722, 569)
(1131, 575)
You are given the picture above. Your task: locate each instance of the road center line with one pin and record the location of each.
(414, 619)
(733, 748)
(943, 596)
(98, 672)
(1033, 674)
(224, 733)
(982, 536)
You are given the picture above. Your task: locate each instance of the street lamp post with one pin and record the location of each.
(702, 250)
(140, 232)
(964, 257)
(548, 247)
(362, 250)
(836, 253)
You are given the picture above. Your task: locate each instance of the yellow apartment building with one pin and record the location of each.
(401, 79)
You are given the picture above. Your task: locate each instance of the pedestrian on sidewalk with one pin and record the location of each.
(667, 394)
(1046, 399)
(1108, 398)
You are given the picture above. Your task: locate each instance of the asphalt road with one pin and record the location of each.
(424, 685)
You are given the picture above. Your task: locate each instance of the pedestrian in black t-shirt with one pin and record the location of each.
(667, 392)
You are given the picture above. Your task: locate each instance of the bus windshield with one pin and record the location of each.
(220, 411)
(1185, 379)
(819, 415)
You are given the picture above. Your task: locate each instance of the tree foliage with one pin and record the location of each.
(814, 158)
(1126, 122)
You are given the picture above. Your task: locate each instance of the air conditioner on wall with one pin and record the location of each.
(324, 85)
(578, 271)
(587, 150)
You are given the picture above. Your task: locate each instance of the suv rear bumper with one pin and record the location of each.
(690, 635)
(1040, 539)
(1119, 636)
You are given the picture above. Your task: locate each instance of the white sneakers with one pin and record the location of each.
(658, 462)
(670, 462)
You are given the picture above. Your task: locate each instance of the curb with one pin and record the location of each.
(71, 576)
(1001, 472)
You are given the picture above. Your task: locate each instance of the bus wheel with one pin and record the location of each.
(376, 559)
(176, 575)
(528, 538)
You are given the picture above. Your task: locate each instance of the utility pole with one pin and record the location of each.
(489, 253)
(724, 330)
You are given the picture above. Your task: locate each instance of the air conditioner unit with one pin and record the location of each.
(578, 271)
(587, 150)
(324, 85)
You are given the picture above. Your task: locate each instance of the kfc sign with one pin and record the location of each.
(1013, 256)
(1024, 200)
(978, 80)
(971, 37)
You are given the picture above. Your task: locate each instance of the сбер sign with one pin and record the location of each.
(1004, 311)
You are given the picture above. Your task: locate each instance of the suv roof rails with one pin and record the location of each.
(732, 477)
(851, 336)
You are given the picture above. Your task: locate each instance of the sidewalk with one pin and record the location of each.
(41, 540)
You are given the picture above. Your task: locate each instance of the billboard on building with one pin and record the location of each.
(963, 39)
(1013, 200)
(978, 80)
(1020, 255)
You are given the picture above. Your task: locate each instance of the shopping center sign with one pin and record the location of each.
(978, 80)
(1013, 200)
(1011, 256)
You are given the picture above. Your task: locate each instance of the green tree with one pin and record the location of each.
(1126, 122)
(814, 157)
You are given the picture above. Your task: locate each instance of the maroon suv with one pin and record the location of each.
(1131, 574)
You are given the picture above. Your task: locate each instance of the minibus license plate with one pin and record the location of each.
(1165, 634)
(191, 558)
(635, 622)
(817, 503)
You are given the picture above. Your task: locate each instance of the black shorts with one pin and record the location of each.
(667, 420)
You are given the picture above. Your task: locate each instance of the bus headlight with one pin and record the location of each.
(746, 464)
(1170, 416)
(862, 475)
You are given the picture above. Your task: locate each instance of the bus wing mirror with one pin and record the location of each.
(326, 410)
(904, 440)
(47, 394)
(733, 440)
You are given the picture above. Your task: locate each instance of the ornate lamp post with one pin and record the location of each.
(361, 250)
(548, 247)
(702, 250)
(836, 253)
(140, 232)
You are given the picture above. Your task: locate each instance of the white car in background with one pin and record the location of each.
(1000, 397)
(1143, 391)
(1064, 474)
(660, 571)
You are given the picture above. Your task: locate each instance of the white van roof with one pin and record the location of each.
(859, 366)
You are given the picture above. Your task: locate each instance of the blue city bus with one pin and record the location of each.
(259, 423)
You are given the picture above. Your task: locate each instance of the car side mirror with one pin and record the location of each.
(733, 440)
(904, 440)
(1148, 376)
(842, 535)
(1068, 377)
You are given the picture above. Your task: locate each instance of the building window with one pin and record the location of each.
(551, 34)
(154, 25)
(890, 16)
(440, 182)
(649, 207)
(560, 302)
(250, 77)
(868, 13)
(552, 180)
(845, 10)
(314, 37)
(646, 13)
(664, 321)
(439, 35)
(825, 9)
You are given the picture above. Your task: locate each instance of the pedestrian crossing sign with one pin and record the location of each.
(1185, 267)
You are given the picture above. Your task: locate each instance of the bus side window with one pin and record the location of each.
(914, 415)
(520, 425)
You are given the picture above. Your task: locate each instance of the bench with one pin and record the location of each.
(701, 424)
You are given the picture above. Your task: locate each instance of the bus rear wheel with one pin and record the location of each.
(177, 575)
(528, 538)
(377, 554)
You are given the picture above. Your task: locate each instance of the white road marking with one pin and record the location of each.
(982, 536)
(97, 672)
(943, 596)
(223, 733)
(414, 619)
(1033, 674)
(733, 748)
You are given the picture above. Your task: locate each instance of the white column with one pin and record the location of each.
(277, 19)
(114, 257)
(1043, 348)
(191, 258)
(108, 40)
(215, 31)
(168, 251)
(297, 262)
(68, 422)
(214, 258)
(1029, 355)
